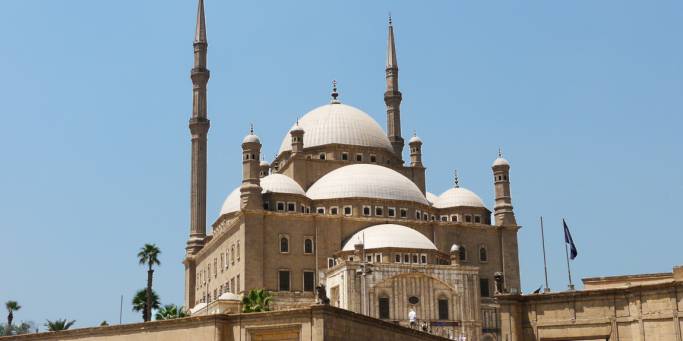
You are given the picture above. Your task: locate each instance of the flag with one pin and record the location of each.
(568, 239)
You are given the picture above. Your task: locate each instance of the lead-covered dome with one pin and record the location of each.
(458, 197)
(366, 181)
(274, 183)
(337, 123)
(389, 235)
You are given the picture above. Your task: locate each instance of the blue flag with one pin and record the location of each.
(568, 239)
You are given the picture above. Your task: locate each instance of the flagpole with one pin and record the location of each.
(569, 270)
(545, 264)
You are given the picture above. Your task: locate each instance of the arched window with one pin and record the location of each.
(284, 244)
(383, 307)
(443, 308)
(308, 246)
(483, 256)
(463, 253)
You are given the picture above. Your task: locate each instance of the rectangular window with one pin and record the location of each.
(321, 156)
(368, 258)
(330, 262)
(379, 211)
(280, 206)
(302, 208)
(232, 254)
(468, 218)
(308, 245)
(283, 280)
(477, 219)
(215, 267)
(425, 216)
(443, 309)
(309, 282)
(397, 258)
(291, 207)
(418, 215)
(444, 218)
(320, 210)
(238, 285)
(359, 157)
(404, 213)
(378, 257)
(484, 287)
(334, 210)
(373, 158)
(345, 156)
(406, 258)
(392, 212)
(433, 217)
(454, 218)
(266, 205)
(383, 308)
(222, 261)
(415, 259)
(348, 210)
(232, 285)
(423, 259)
(366, 211)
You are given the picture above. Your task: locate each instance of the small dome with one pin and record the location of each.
(264, 163)
(228, 296)
(197, 308)
(500, 161)
(455, 248)
(366, 181)
(278, 183)
(458, 197)
(415, 139)
(296, 129)
(389, 235)
(339, 124)
(251, 138)
(431, 197)
(274, 183)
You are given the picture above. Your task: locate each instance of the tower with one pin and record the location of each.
(297, 134)
(501, 179)
(250, 191)
(392, 97)
(415, 145)
(199, 127)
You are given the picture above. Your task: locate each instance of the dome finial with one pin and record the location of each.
(414, 133)
(500, 152)
(390, 18)
(335, 94)
(456, 179)
(251, 129)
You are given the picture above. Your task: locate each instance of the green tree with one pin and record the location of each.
(59, 324)
(104, 323)
(170, 311)
(11, 306)
(257, 300)
(140, 301)
(149, 255)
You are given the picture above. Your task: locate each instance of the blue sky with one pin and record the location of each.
(584, 97)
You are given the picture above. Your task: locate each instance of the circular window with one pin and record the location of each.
(413, 300)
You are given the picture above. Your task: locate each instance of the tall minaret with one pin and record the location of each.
(199, 127)
(503, 212)
(392, 97)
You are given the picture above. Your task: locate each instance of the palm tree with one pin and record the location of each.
(257, 300)
(60, 324)
(11, 306)
(149, 255)
(170, 311)
(140, 301)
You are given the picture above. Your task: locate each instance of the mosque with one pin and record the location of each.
(339, 206)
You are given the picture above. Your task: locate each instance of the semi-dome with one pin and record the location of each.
(338, 123)
(389, 235)
(458, 197)
(366, 181)
(274, 183)
(431, 197)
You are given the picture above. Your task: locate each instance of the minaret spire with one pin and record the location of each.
(199, 127)
(392, 96)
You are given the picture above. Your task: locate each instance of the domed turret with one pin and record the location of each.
(415, 145)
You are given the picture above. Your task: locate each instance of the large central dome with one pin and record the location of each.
(337, 123)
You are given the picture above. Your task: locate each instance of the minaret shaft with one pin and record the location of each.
(199, 127)
(393, 97)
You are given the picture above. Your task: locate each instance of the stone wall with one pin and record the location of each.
(316, 323)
